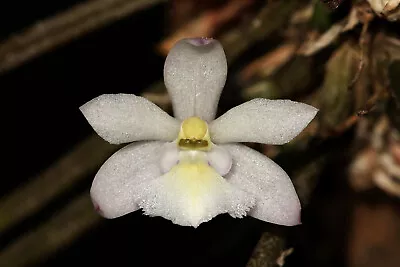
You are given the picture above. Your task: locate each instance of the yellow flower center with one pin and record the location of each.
(194, 135)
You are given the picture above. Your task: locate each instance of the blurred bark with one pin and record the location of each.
(375, 236)
(354, 77)
(206, 24)
(65, 27)
(272, 17)
(84, 159)
(267, 251)
(58, 232)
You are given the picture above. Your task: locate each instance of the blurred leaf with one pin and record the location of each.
(271, 18)
(292, 79)
(269, 63)
(295, 76)
(393, 106)
(314, 45)
(394, 77)
(262, 89)
(335, 99)
(321, 20)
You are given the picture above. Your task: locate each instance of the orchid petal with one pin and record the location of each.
(276, 198)
(262, 121)
(117, 180)
(220, 159)
(194, 73)
(123, 118)
(169, 157)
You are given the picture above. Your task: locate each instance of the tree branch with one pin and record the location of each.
(63, 228)
(73, 167)
(65, 27)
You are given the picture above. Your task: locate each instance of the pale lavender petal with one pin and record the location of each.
(169, 157)
(262, 121)
(123, 118)
(194, 73)
(118, 180)
(276, 198)
(220, 159)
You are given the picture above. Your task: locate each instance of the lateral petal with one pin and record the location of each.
(276, 198)
(123, 118)
(264, 121)
(116, 182)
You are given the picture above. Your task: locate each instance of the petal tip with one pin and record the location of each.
(296, 218)
(299, 222)
(294, 215)
(100, 206)
(313, 110)
(291, 220)
(97, 208)
(83, 108)
(200, 41)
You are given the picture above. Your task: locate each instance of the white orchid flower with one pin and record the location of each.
(193, 169)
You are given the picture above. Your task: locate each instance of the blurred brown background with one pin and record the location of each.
(340, 56)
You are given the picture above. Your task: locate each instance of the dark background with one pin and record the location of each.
(40, 107)
(41, 122)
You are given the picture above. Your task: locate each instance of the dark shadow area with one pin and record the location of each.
(43, 98)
